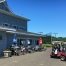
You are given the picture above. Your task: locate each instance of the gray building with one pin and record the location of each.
(11, 24)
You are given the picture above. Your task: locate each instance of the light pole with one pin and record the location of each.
(51, 37)
(55, 34)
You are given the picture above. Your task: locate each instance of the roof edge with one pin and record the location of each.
(14, 15)
(2, 1)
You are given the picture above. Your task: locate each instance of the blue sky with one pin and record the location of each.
(46, 15)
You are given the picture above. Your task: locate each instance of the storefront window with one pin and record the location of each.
(22, 41)
(37, 42)
(30, 41)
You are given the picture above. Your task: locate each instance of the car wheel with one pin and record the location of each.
(62, 58)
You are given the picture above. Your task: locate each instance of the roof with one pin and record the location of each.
(10, 13)
(32, 33)
(13, 15)
(6, 5)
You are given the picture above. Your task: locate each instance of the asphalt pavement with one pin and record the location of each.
(33, 59)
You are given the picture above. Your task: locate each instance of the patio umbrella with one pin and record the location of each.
(15, 39)
(40, 41)
(28, 41)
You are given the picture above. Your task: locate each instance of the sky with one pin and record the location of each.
(46, 15)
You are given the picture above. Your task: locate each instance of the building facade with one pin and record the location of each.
(11, 24)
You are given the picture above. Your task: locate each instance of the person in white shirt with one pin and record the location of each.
(22, 49)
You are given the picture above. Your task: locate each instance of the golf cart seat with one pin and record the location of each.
(55, 50)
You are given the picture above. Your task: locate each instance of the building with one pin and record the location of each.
(11, 24)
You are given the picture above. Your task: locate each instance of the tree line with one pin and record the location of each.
(48, 39)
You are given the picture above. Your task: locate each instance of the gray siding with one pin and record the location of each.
(3, 43)
(13, 21)
(10, 38)
(7, 40)
(2, 6)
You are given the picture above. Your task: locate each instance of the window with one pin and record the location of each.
(5, 24)
(15, 26)
(22, 41)
(22, 27)
(37, 42)
(30, 41)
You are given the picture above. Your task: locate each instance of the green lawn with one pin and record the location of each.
(46, 45)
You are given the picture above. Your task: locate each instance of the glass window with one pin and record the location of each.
(37, 42)
(14, 26)
(5, 24)
(20, 27)
(30, 41)
(22, 41)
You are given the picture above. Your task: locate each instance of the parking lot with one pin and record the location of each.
(33, 59)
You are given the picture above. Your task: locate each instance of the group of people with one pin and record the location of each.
(14, 49)
(55, 48)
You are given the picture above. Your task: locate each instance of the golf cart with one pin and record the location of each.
(56, 50)
(63, 53)
(30, 49)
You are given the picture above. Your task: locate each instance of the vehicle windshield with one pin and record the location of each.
(64, 48)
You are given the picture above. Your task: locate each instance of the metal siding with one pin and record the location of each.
(3, 42)
(2, 6)
(13, 21)
(10, 38)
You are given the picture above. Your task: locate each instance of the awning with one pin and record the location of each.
(23, 33)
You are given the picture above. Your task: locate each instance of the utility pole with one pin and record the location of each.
(51, 37)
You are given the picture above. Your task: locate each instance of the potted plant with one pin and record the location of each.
(7, 53)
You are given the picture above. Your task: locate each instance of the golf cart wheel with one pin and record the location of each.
(62, 58)
(51, 56)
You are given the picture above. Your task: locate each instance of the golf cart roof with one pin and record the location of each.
(57, 44)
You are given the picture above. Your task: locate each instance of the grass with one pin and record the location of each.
(47, 45)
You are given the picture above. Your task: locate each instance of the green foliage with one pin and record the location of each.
(46, 45)
(47, 39)
(59, 39)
